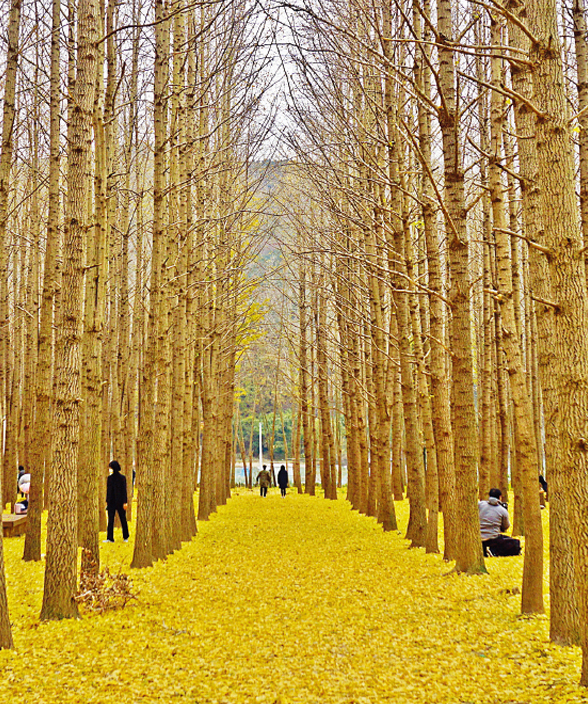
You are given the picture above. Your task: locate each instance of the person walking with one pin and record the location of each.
(264, 479)
(116, 501)
(283, 480)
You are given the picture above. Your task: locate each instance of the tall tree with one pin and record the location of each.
(469, 556)
(41, 444)
(563, 240)
(60, 573)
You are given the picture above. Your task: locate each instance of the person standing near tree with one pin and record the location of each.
(264, 478)
(116, 501)
(283, 480)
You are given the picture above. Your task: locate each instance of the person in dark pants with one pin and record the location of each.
(116, 501)
(264, 478)
(493, 522)
(543, 484)
(283, 480)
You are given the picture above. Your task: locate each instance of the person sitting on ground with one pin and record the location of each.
(493, 522)
(264, 478)
(21, 507)
(24, 485)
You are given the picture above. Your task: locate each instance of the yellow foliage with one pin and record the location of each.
(290, 601)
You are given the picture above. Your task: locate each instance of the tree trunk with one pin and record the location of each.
(60, 572)
(564, 608)
(469, 557)
(568, 276)
(309, 480)
(91, 465)
(526, 449)
(41, 443)
(8, 118)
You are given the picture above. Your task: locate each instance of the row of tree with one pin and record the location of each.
(433, 278)
(437, 261)
(127, 217)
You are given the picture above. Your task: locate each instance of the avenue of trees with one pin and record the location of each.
(430, 321)
(438, 210)
(126, 222)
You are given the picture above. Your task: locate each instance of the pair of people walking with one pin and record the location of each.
(265, 480)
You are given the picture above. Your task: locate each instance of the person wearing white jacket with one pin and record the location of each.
(494, 522)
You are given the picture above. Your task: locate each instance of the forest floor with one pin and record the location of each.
(295, 600)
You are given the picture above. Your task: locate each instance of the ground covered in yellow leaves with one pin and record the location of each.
(295, 600)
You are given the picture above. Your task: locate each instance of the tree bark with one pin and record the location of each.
(469, 557)
(60, 572)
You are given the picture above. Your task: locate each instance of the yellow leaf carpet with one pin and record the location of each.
(285, 601)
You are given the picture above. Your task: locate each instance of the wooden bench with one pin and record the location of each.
(13, 525)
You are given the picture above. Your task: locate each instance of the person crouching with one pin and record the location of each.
(493, 522)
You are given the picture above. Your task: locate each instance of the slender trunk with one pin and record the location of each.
(309, 480)
(397, 435)
(532, 592)
(567, 275)
(149, 544)
(91, 466)
(8, 118)
(60, 572)
(417, 525)
(469, 556)
(5, 166)
(41, 444)
(179, 178)
(327, 442)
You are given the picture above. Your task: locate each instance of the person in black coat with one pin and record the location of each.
(116, 501)
(543, 484)
(283, 480)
